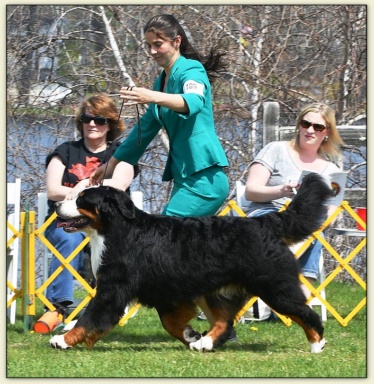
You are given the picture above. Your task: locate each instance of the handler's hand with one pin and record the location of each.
(98, 175)
(137, 95)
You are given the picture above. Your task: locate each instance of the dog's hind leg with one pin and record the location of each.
(293, 305)
(176, 322)
(313, 328)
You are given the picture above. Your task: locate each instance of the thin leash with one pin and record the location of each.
(114, 140)
(139, 138)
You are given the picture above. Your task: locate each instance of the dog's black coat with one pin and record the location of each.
(169, 262)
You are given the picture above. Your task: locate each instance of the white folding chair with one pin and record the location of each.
(244, 203)
(137, 199)
(240, 195)
(13, 198)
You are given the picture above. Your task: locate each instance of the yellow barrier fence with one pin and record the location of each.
(343, 263)
(28, 291)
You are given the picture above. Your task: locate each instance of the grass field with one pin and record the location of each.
(143, 349)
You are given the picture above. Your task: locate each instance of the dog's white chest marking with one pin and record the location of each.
(69, 208)
(97, 250)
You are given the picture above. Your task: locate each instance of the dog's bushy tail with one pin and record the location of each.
(306, 212)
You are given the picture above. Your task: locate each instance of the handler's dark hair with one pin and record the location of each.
(167, 26)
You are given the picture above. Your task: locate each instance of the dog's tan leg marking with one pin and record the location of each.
(79, 335)
(69, 339)
(75, 336)
(177, 323)
(317, 343)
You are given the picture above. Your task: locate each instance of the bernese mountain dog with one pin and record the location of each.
(168, 263)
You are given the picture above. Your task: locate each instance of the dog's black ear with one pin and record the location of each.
(114, 200)
(126, 206)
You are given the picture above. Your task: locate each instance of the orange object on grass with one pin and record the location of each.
(48, 322)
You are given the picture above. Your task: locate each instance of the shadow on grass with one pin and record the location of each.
(160, 341)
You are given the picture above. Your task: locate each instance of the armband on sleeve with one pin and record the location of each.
(192, 86)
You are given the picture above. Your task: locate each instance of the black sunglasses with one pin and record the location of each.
(317, 127)
(97, 119)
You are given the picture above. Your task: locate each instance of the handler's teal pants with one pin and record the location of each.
(201, 194)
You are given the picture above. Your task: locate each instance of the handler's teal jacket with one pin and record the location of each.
(194, 144)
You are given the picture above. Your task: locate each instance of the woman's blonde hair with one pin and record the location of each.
(330, 148)
(102, 105)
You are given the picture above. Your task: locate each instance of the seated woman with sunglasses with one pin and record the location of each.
(274, 173)
(69, 167)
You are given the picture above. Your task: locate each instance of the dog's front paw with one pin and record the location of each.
(203, 344)
(318, 347)
(58, 341)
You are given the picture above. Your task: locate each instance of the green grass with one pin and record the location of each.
(143, 349)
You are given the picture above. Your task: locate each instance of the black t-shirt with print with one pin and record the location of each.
(80, 163)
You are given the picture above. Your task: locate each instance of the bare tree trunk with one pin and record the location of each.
(344, 72)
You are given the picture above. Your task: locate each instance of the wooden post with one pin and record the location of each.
(271, 122)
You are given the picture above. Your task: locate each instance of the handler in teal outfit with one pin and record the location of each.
(181, 102)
